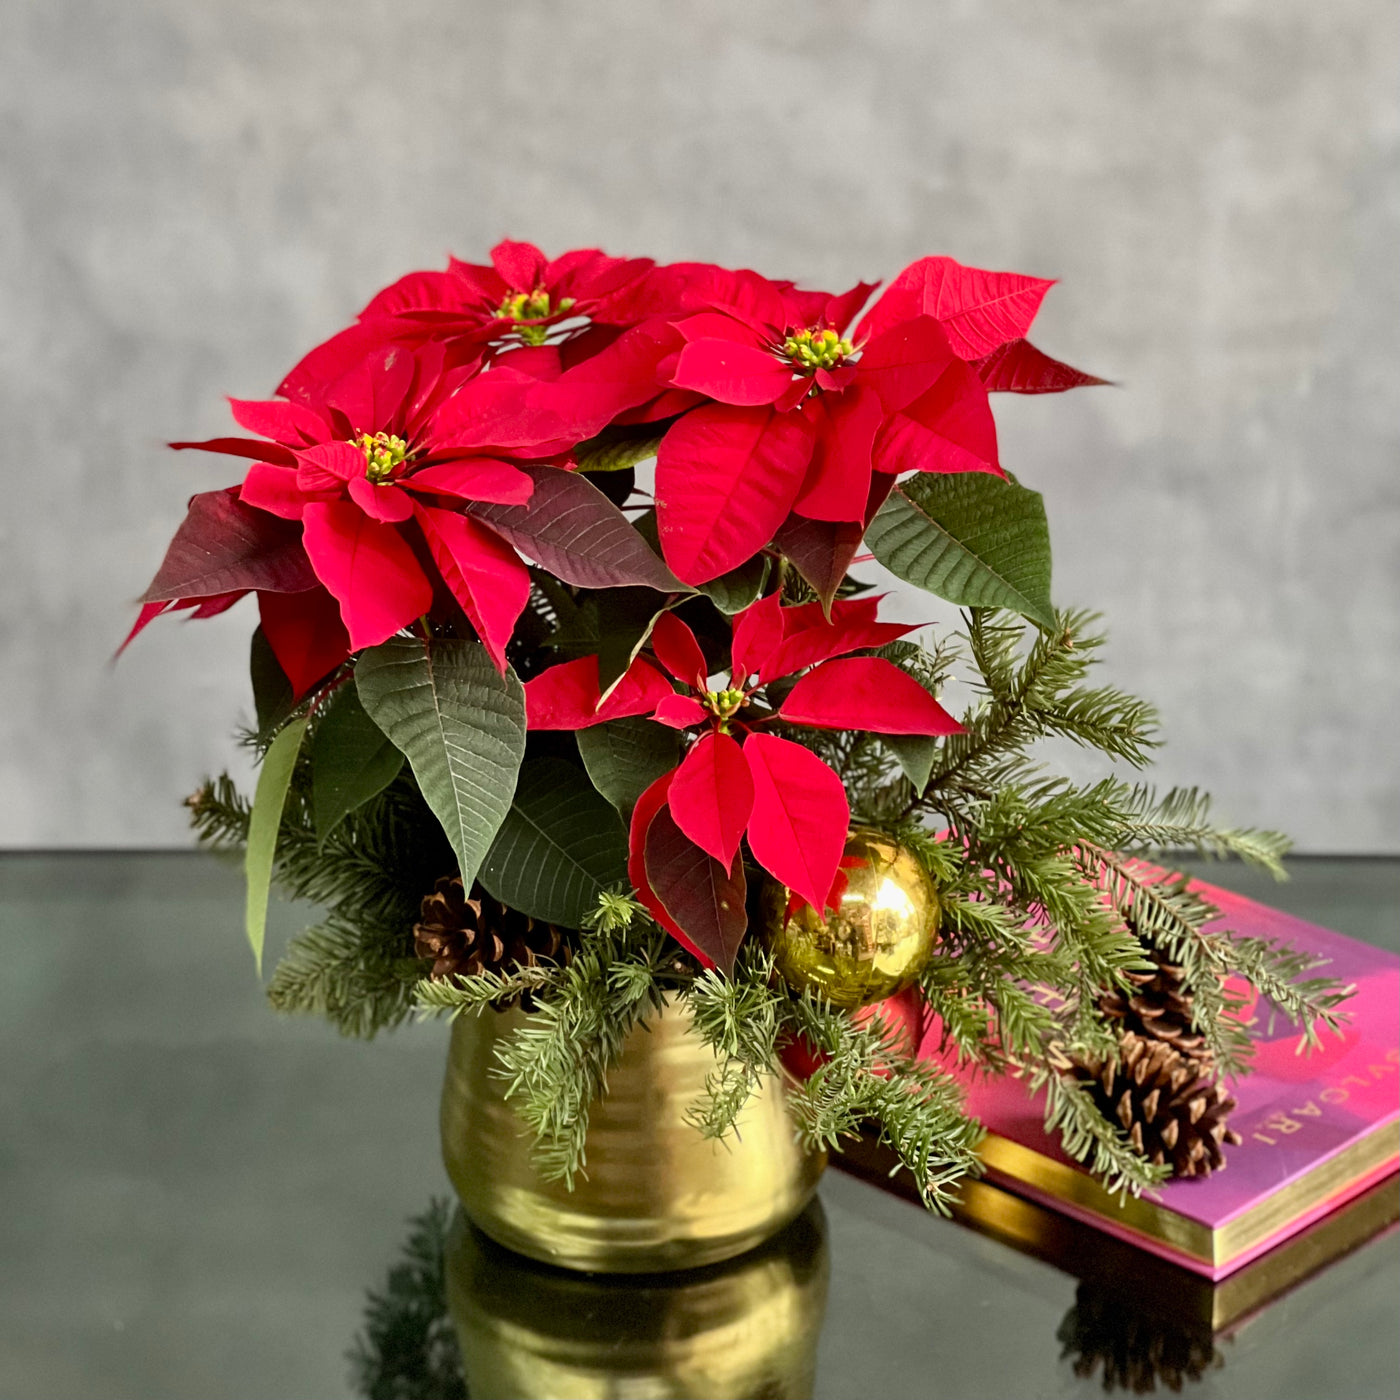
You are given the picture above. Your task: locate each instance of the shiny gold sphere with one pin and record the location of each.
(876, 942)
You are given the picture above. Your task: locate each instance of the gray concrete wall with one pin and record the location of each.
(192, 192)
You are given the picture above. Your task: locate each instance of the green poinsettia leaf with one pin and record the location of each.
(734, 591)
(273, 699)
(611, 453)
(560, 846)
(460, 724)
(352, 760)
(969, 537)
(624, 757)
(916, 754)
(274, 778)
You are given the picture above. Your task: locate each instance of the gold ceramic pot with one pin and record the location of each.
(657, 1195)
(740, 1329)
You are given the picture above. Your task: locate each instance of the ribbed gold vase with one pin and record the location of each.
(657, 1196)
(745, 1328)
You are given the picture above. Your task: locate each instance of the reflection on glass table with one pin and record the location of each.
(199, 1195)
(459, 1316)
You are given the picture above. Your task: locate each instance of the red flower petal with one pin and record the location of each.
(284, 422)
(328, 465)
(521, 265)
(732, 373)
(148, 614)
(381, 502)
(901, 362)
(705, 898)
(652, 801)
(275, 490)
(679, 711)
(758, 631)
(566, 696)
(866, 692)
(484, 573)
(725, 480)
(474, 479)
(800, 816)
(979, 310)
(838, 480)
(712, 796)
(1019, 368)
(305, 633)
(240, 447)
(369, 567)
(713, 325)
(948, 429)
(810, 637)
(678, 651)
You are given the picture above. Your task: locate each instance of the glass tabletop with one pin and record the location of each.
(203, 1199)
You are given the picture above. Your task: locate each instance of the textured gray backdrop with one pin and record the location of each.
(192, 192)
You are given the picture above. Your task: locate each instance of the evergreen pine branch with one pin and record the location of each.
(1181, 821)
(556, 1063)
(360, 978)
(739, 1017)
(1090, 1138)
(868, 1075)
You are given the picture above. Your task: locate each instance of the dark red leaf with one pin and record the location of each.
(224, 546)
(820, 550)
(575, 532)
(705, 900)
(1019, 368)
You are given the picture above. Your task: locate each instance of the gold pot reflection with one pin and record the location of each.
(745, 1328)
(657, 1195)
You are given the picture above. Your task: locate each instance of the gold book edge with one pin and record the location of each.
(1217, 1248)
(1164, 1288)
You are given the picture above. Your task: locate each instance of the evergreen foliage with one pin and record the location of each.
(1045, 904)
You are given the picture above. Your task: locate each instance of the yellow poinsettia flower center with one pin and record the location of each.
(816, 348)
(528, 310)
(384, 453)
(722, 704)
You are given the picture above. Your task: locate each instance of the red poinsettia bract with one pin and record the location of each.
(737, 779)
(376, 467)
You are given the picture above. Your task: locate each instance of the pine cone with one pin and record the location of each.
(1159, 1008)
(1170, 1111)
(466, 937)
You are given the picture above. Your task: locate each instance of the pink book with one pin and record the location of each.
(1318, 1128)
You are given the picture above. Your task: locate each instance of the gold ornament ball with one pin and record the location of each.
(878, 940)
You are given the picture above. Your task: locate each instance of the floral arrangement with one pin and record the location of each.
(538, 727)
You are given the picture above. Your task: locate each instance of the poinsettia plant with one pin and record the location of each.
(535, 718)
